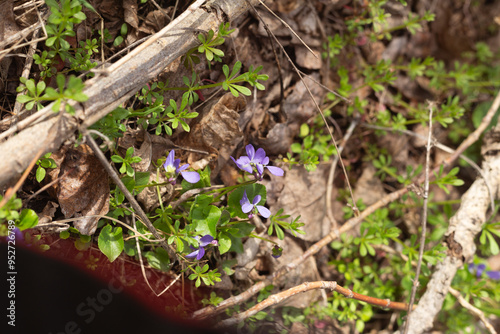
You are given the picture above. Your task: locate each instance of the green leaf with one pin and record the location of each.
(205, 219)
(27, 219)
(40, 173)
(224, 242)
(494, 249)
(23, 98)
(242, 229)
(243, 90)
(110, 242)
(279, 232)
(158, 259)
(64, 234)
(116, 158)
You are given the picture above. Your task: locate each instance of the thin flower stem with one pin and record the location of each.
(424, 219)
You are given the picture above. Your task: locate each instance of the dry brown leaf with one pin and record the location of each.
(216, 127)
(149, 196)
(305, 272)
(303, 193)
(83, 188)
(369, 188)
(48, 213)
(130, 13)
(306, 59)
(155, 21)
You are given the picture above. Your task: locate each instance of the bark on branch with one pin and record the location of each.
(464, 226)
(107, 90)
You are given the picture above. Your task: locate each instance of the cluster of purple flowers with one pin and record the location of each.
(253, 163)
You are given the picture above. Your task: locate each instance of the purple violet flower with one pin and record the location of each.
(479, 268)
(259, 160)
(248, 207)
(172, 168)
(203, 242)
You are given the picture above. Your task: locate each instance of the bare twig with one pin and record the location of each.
(11, 191)
(329, 187)
(424, 218)
(307, 286)
(190, 193)
(474, 310)
(116, 179)
(288, 26)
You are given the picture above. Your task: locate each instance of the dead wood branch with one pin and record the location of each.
(307, 286)
(106, 92)
(464, 226)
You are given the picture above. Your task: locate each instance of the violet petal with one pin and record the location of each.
(493, 274)
(191, 177)
(246, 207)
(264, 212)
(193, 254)
(206, 240)
(275, 170)
(260, 156)
(200, 253)
(256, 199)
(250, 151)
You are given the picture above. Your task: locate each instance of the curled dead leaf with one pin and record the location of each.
(83, 188)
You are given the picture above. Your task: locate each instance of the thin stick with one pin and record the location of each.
(329, 187)
(325, 87)
(474, 310)
(307, 286)
(68, 220)
(354, 207)
(278, 64)
(11, 191)
(424, 219)
(116, 179)
(288, 26)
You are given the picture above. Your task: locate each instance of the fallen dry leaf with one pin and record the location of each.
(218, 124)
(305, 272)
(83, 188)
(302, 193)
